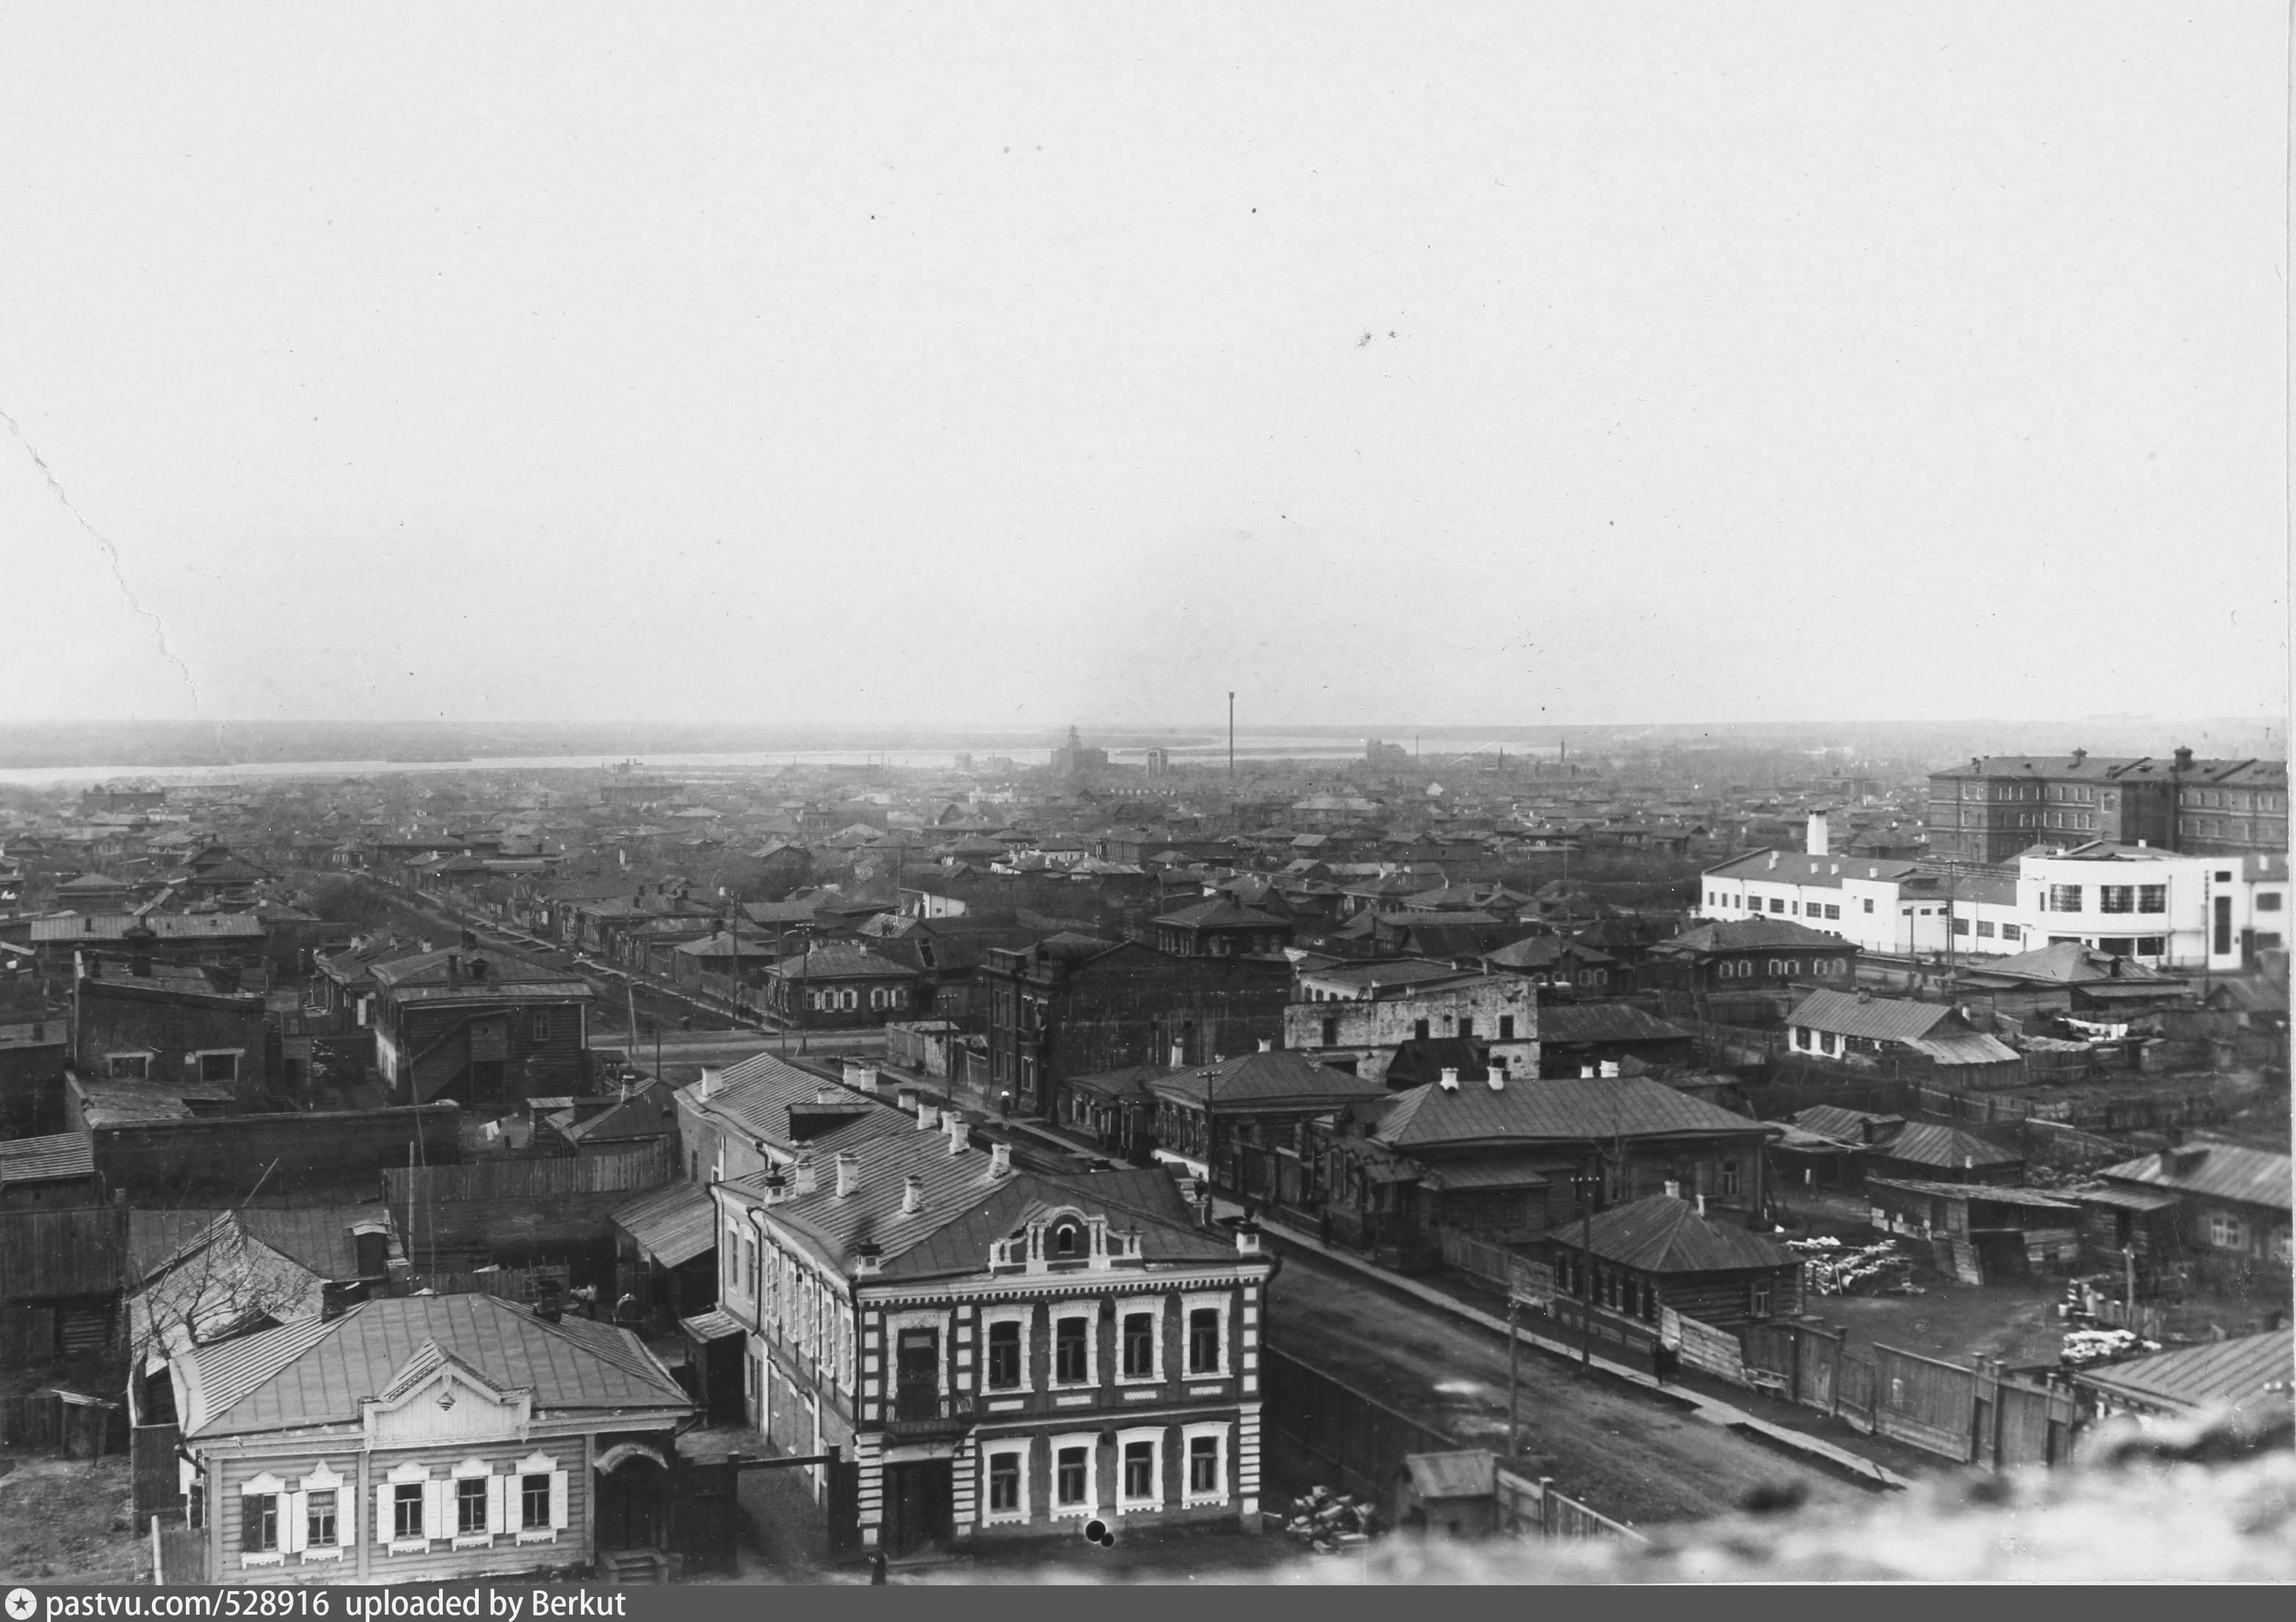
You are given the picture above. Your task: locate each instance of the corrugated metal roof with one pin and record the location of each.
(673, 1224)
(1927, 1143)
(2217, 1171)
(1965, 1047)
(1548, 1111)
(316, 1237)
(1750, 935)
(711, 1326)
(318, 1374)
(164, 926)
(1281, 1077)
(1981, 1194)
(1847, 1013)
(2237, 1374)
(1666, 1235)
(1498, 1172)
(47, 1159)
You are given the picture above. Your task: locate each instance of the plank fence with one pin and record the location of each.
(625, 1171)
(1353, 1440)
(1533, 1509)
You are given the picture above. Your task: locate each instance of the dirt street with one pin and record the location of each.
(1628, 1456)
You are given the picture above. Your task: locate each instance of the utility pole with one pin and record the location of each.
(1515, 1369)
(1589, 1187)
(1230, 740)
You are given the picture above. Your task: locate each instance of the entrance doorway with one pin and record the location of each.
(633, 1504)
(917, 1500)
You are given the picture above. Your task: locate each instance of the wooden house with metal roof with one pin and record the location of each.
(1664, 1251)
(2219, 1209)
(2248, 1378)
(427, 1439)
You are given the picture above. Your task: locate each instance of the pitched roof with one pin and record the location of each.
(1847, 1013)
(1750, 935)
(1564, 1023)
(1544, 952)
(2068, 963)
(316, 1372)
(1222, 914)
(316, 1237)
(2219, 1171)
(1552, 1111)
(1666, 1235)
(672, 1224)
(1279, 1077)
(454, 967)
(1983, 1193)
(47, 1159)
(2250, 1372)
(756, 1094)
(840, 960)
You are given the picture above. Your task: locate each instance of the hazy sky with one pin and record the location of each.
(989, 364)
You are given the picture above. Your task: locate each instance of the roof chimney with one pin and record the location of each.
(1586, 1072)
(1497, 1077)
(1610, 1069)
(1450, 1082)
(2184, 759)
(1815, 841)
(1179, 1056)
(912, 1195)
(710, 1074)
(848, 1172)
(959, 1136)
(1267, 1045)
(1702, 1205)
(859, 1076)
(1673, 1188)
(805, 1174)
(928, 1117)
(2079, 755)
(1000, 1159)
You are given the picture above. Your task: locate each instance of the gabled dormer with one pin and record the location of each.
(437, 1397)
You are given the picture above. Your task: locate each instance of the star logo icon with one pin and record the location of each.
(22, 1604)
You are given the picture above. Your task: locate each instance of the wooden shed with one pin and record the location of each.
(1449, 1494)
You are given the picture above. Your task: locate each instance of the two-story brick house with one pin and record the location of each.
(1001, 1354)
(1350, 1017)
(425, 1439)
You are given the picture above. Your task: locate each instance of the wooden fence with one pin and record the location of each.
(1337, 1432)
(523, 1284)
(1533, 1509)
(625, 1171)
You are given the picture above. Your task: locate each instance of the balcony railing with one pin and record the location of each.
(929, 1414)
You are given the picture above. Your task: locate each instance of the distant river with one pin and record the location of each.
(1195, 749)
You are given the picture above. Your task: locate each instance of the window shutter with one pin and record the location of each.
(382, 1513)
(558, 1499)
(438, 1508)
(497, 1516)
(346, 1515)
(294, 1529)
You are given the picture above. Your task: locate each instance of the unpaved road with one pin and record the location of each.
(1631, 1457)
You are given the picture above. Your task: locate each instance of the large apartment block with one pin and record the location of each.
(1999, 805)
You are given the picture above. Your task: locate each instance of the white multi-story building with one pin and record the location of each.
(2158, 907)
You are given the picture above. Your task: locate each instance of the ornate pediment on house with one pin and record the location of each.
(435, 1397)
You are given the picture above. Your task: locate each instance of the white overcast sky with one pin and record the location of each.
(995, 365)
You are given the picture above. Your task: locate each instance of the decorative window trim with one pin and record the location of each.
(1076, 1307)
(941, 1322)
(1020, 1449)
(1026, 1317)
(1089, 1440)
(1153, 1435)
(1219, 1430)
(1190, 1305)
(271, 1557)
(1151, 1308)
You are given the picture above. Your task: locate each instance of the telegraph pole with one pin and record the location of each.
(1230, 740)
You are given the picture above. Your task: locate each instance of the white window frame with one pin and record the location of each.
(386, 1509)
(1152, 1307)
(1089, 1440)
(1089, 1308)
(237, 1055)
(1017, 1447)
(1190, 1305)
(1026, 1317)
(2227, 1232)
(268, 1486)
(111, 1064)
(323, 1479)
(542, 1465)
(1153, 1435)
(1219, 1430)
(471, 1470)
